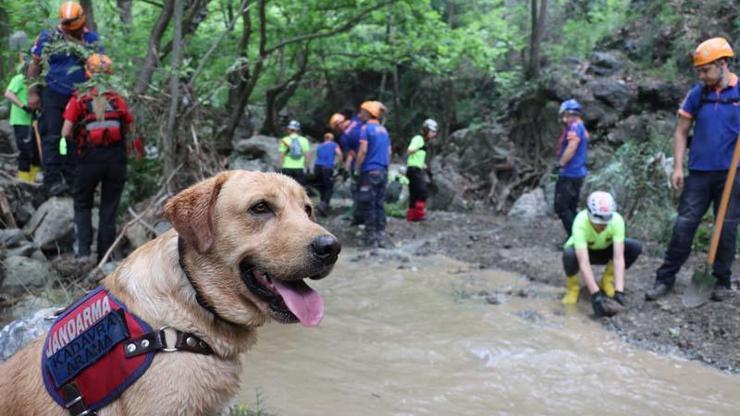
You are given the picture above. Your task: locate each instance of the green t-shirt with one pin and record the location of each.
(416, 159)
(584, 235)
(289, 162)
(18, 117)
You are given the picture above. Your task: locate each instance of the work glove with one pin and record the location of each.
(555, 169)
(619, 297)
(137, 146)
(28, 109)
(63, 146)
(604, 306)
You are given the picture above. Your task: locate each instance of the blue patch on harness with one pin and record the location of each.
(87, 347)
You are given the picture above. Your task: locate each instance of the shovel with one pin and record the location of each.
(702, 282)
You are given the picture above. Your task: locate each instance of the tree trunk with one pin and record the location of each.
(170, 141)
(535, 41)
(87, 5)
(6, 56)
(124, 11)
(152, 55)
(192, 17)
(239, 75)
(277, 97)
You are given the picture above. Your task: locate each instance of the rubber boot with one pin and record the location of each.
(411, 214)
(607, 280)
(421, 213)
(572, 290)
(34, 172)
(23, 175)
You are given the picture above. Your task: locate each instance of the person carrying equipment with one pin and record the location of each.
(416, 171)
(21, 116)
(326, 154)
(572, 149)
(712, 107)
(98, 123)
(65, 70)
(293, 150)
(598, 237)
(373, 158)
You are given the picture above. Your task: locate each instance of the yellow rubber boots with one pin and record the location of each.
(572, 290)
(607, 280)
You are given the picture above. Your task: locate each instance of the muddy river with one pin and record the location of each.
(416, 336)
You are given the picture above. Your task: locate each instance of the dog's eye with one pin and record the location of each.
(261, 207)
(309, 210)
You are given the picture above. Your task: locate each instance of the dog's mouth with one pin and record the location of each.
(289, 301)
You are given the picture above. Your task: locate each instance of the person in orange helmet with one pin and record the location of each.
(712, 108)
(65, 70)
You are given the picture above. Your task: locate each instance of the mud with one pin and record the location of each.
(709, 334)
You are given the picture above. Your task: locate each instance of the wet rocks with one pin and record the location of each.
(52, 224)
(23, 274)
(19, 333)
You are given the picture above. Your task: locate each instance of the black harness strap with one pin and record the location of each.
(74, 402)
(157, 341)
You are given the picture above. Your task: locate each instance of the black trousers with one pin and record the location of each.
(632, 250)
(325, 181)
(417, 185)
(567, 193)
(296, 174)
(111, 177)
(57, 168)
(28, 153)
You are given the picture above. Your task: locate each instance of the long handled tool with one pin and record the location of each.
(702, 282)
(38, 138)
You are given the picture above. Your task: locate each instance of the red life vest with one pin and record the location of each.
(100, 133)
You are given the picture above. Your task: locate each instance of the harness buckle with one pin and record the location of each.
(163, 337)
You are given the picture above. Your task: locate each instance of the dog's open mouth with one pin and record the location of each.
(290, 302)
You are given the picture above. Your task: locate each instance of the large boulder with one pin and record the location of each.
(7, 138)
(19, 333)
(614, 92)
(52, 225)
(11, 237)
(447, 187)
(605, 63)
(660, 95)
(23, 274)
(530, 206)
(262, 148)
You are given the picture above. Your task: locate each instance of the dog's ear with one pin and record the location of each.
(191, 212)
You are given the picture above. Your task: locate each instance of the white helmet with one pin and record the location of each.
(429, 124)
(294, 125)
(601, 207)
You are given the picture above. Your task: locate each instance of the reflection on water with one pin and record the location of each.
(405, 338)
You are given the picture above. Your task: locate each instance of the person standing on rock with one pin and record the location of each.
(416, 171)
(293, 150)
(712, 107)
(327, 153)
(572, 149)
(66, 68)
(98, 124)
(373, 158)
(20, 120)
(598, 237)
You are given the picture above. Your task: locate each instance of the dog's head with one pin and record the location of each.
(251, 241)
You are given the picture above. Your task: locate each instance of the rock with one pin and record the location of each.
(22, 274)
(605, 63)
(613, 92)
(245, 163)
(52, 224)
(4, 112)
(28, 307)
(137, 235)
(19, 333)
(531, 205)
(448, 185)
(12, 237)
(26, 250)
(659, 95)
(263, 148)
(7, 138)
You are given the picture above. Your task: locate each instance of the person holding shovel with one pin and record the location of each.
(713, 109)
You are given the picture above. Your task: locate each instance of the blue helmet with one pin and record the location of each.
(570, 106)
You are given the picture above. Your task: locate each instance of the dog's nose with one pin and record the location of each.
(326, 248)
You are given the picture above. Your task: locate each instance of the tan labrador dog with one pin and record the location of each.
(248, 242)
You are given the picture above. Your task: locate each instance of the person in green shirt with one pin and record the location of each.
(293, 151)
(20, 120)
(416, 171)
(598, 237)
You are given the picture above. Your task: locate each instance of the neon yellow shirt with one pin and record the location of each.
(18, 117)
(585, 236)
(417, 159)
(289, 162)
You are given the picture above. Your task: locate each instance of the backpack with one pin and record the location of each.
(295, 150)
(105, 132)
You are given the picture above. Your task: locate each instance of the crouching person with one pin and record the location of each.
(598, 237)
(98, 123)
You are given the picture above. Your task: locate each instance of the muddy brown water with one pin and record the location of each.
(412, 337)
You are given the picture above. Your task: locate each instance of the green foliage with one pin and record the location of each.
(142, 181)
(584, 24)
(395, 210)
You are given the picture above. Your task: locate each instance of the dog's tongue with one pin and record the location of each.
(305, 303)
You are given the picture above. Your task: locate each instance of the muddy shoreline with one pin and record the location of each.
(709, 334)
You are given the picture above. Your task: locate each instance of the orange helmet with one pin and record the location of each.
(711, 50)
(98, 63)
(71, 15)
(336, 119)
(375, 108)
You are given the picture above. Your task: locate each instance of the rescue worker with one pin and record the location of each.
(98, 123)
(348, 128)
(293, 150)
(570, 165)
(327, 153)
(65, 70)
(712, 109)
(20, 120)
(416, 171)
(373, 157)
(598, 237)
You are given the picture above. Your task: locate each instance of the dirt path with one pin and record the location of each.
(710, 334)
